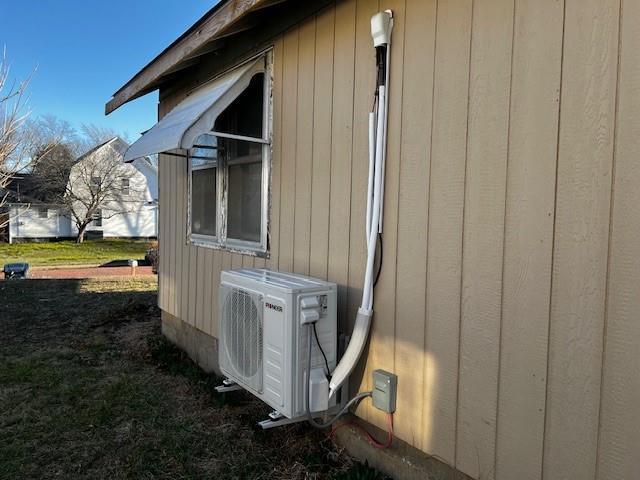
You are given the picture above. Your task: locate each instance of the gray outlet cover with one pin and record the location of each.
(385, 387)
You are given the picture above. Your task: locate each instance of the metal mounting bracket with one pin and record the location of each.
(228, 386)
(276, 419)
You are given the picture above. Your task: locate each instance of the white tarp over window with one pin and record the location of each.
(196, 114)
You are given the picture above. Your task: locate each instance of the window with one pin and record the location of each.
(43, 212)
(94, 184)
(97, 218)
(229, 172)
(125, 186)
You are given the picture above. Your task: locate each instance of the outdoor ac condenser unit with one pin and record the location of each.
(263, 338)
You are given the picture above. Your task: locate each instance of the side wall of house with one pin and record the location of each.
(25, 222)
(140, 221)
(508, 299)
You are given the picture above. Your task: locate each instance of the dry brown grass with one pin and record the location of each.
(90, 389)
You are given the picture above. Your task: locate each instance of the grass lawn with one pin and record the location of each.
(90, 252)
(89, 388)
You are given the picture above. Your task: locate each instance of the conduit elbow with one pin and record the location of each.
(351, 356)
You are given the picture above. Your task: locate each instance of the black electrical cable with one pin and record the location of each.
(315, 332)
(379, 260)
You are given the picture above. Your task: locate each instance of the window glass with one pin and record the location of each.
(244, 115)
(125, 186)
(244, 218)
(94, 184)
(97, 219)
(203, 201)
(205, 151)
(43, 212)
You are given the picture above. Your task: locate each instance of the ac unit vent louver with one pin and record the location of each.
(242, 330)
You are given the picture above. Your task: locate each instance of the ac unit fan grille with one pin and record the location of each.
(243, 333)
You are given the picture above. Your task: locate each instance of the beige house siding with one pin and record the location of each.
(509, 297)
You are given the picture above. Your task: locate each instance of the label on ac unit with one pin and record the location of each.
(273, 338)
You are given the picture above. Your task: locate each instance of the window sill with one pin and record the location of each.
(214, 245)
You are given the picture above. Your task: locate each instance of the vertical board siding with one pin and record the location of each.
(304, 146)
(192, 286)
(510, 225)
(322, 125)
(341, 152)
(535, 87)
(619, 442)
(169, 240)
(181, 219)
(183, 174)
(198, 272)
(206, 265)
(411, 275)
(288, 163)
(175, 241)
(215, 280)
(162, 225)
(487, 140)
(444, 232)
(581, 237)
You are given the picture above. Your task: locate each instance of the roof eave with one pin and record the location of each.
(214, 24)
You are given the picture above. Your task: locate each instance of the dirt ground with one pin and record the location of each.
(90, 389)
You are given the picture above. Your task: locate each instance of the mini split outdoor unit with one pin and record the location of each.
(264, 316)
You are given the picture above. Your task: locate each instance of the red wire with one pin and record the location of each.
(372, 441)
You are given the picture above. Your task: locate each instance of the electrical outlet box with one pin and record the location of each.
(385, 388)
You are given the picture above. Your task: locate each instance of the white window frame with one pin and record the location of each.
(94, 184)
(97, 216)
(43, 212)
(221, 240)
(126, 189)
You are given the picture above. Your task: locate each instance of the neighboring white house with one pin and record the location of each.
(38, 221)
(130, 208)
(132, 211)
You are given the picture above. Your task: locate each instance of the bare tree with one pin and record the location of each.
(92, 134)
(100, 187)
(24, 142)
(15, 140)
(51, 168)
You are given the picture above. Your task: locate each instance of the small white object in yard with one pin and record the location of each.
(133, 264)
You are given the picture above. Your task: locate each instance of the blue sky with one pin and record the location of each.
(85, 50)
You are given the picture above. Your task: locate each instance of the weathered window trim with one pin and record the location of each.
(198, 238)
(220, 241)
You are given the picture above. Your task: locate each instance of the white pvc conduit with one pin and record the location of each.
(381, 27)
